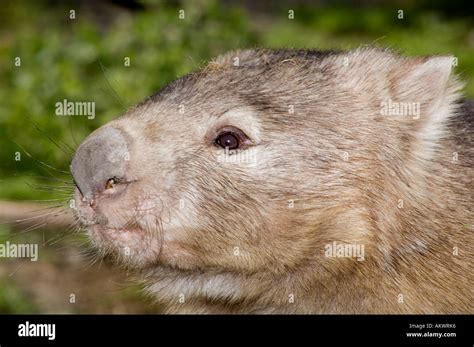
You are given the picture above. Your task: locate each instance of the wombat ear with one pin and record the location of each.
(425, 90)
(424, 81)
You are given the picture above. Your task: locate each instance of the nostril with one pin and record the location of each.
(111, 182)
(100, 162)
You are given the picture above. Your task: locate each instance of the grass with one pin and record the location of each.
(13, 300)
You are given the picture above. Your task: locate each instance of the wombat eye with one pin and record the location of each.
(230, 137)
(228, 140)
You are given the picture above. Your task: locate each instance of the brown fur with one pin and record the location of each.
(234, 238)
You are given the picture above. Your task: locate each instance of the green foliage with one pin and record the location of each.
(12, 300)
(82, 59)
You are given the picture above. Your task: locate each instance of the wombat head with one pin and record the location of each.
(261, 158)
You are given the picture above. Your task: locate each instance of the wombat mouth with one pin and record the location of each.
(123, 225)
(130, 245)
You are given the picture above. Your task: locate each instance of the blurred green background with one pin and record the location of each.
(82, 59)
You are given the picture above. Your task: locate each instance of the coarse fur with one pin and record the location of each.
(222, 236)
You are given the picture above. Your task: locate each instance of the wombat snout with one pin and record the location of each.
(100, 162)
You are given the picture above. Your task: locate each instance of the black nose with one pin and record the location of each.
(102, 156)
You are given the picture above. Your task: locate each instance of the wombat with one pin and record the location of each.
(291, 181)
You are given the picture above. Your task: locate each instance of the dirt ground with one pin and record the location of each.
(64, 271)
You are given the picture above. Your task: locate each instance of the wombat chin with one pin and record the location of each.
(291, 181)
